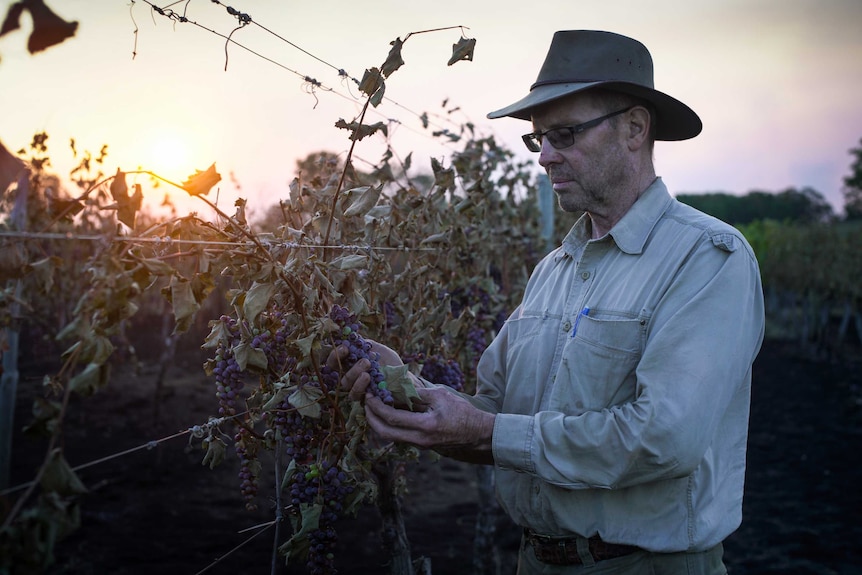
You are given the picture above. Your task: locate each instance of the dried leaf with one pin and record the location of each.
(463, 50)
(305, 345)
(59, 476)
(13, 18)
(400, 385)
(48, 28)
(10, 166)
(443, 177)
(393, 60)
(183, 302)
(219, 334)
(368, 197)
(216, 448)
(200, 183)
(93, 378)
(360, 131)
(373, 86)
(246, 355)
(306, 400)
(296, 549)
(257, 299)
(350, 262)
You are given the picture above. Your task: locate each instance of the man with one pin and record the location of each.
(614, 402)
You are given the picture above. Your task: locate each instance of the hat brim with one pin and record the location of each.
(675, 120)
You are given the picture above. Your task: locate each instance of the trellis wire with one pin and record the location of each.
(167, 240)
(195, 430)
(245, 19)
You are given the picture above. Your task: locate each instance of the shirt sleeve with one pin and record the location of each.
(696, 365)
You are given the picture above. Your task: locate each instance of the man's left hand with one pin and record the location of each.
(445, 422)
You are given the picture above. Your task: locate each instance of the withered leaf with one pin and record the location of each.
(368, 197)
(463, 50)
(373, 86)
(200, 183)
(393, 60)
(360, 131)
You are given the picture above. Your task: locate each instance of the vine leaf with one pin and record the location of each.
(350, 262)
(93, 378)
(13, 18)
(246, 355)
(127, 207)
(200, 183)
(373, 86)
(443, 177)
(45, 418)
(360, 131)
(216, 448)
(10, 166)
(393, 60)
(183, 302)
(306, 400)
(368, 197)
(463, 50)
(399, 384)
(60, 478)
(219, 334)
(256, 300)
(298, 545)
(48, 28)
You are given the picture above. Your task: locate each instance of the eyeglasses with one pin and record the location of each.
(564, 137)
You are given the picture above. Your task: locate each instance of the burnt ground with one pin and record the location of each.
(160, 512)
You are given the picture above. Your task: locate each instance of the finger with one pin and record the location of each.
(335, 359)
(391, 424)
(359, 387)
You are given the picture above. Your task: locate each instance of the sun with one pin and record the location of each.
(170, 153)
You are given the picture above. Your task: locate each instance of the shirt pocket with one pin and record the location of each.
(530, 335)
(598, 367)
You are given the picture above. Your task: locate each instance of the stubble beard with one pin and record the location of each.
(596, 187)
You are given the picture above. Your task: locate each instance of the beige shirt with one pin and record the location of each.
(632, 425)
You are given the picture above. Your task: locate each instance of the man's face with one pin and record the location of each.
(586, 174)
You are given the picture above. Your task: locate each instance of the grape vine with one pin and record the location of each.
(355, 257)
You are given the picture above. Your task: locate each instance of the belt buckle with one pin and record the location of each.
(552, 550)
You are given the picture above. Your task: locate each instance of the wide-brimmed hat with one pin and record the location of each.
(582, 59)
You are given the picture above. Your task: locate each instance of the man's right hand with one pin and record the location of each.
(356, 379)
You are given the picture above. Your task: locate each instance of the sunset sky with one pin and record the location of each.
(777, 83)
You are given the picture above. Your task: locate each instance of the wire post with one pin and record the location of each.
(9, 379)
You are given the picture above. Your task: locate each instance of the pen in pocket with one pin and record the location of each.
(585, 311)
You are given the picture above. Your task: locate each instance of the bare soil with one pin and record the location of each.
(160, 512)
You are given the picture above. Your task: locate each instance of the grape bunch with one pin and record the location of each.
(358, 349)
(249, 468)
(438, 369)
(228, 376)
(273, 343)
(326, 485)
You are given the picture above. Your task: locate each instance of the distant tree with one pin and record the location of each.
(791, 205)
(853, 186)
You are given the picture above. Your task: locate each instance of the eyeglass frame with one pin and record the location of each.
(533, 140)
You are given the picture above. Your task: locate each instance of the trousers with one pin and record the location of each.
(707, 562)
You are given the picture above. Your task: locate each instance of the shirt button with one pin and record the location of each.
(585, 275)
(567, 325)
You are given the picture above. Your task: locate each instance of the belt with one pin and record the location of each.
(564, 550)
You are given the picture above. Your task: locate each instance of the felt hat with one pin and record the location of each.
(582, 59)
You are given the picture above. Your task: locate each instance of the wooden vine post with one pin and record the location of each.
(9, 343)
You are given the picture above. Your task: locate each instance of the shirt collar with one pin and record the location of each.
(632, 231)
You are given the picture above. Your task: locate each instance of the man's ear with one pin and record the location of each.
(639, 127)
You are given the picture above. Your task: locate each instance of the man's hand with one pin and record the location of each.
(356, 379)
(446, 422)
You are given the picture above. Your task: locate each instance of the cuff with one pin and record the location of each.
(512, 442)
